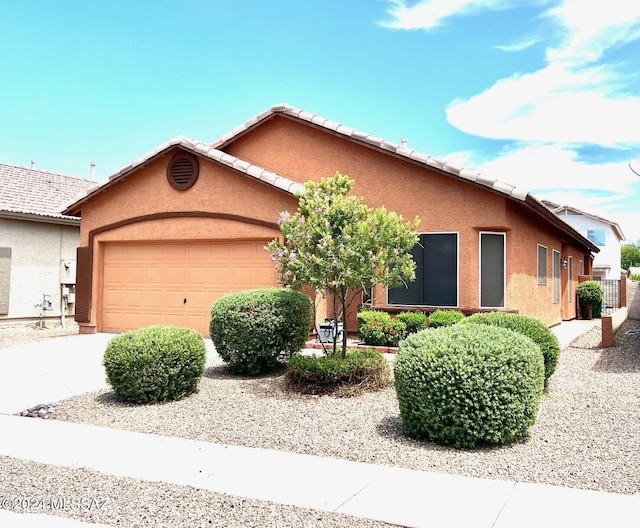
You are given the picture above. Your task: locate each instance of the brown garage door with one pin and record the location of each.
(166, 283)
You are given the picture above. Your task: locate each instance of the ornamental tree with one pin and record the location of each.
(335, 243)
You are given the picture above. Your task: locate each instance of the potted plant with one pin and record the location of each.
(590, 295)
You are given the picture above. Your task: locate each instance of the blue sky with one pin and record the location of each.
(541, 94)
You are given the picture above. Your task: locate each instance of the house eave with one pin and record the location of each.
(43, 219)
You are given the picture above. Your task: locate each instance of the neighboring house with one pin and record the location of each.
(36, 242)
(169, 234)
(604, 233)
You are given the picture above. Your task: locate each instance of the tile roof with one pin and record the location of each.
(412, 155)
(207, 151)
(215, 152)
(34, 193)
(370, 140)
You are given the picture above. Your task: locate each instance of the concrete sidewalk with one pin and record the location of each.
(398, 496)
(61, 367)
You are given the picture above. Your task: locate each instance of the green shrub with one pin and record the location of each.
(635, 277)
(414, 321)
(255, 331)
(155, 363)
(590, 292)
(361, 370)
(379, 329)
(468, 384)
(441, 318)
(532, 328)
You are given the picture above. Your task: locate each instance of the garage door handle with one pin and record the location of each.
(185, 301)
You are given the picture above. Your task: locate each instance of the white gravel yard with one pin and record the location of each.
(587, 436)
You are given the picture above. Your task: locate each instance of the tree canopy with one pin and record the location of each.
(334, 242)
(630, 255)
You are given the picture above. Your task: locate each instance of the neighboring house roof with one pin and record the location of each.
(557, 209)
(202, 149)
(215, 152)
(34, 194)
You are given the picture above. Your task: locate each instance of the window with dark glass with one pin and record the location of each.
(436, 284)
(492, 270)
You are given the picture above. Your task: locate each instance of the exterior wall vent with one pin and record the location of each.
(182, 171)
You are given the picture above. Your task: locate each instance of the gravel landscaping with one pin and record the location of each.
(587, 436)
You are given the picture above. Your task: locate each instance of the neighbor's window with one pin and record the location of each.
(597, 236)
(542, 265)
(436, 284)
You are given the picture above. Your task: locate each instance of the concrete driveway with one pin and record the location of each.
(51, 370)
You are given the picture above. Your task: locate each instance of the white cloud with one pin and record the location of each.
(552, 104)
(555, 167)
(591, 28)
(429, 14)
(518, 46)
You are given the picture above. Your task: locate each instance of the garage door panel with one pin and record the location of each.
(146, 284)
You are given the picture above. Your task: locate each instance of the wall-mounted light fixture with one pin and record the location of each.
(564, 263)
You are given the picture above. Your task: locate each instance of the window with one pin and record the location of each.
(492, 270)
(581, 267)
(570, 279)
(367, 295)
(556, 276)
(436, 284)
(597, 236)
(542, 265)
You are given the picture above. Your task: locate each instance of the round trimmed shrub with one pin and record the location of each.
(532, 328)
(377, 328)
(468, 384)
(590, 292)
(155, 363)
(414, 321)
(255, 331)
(441, 318)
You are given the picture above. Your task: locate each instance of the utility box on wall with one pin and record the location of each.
(68, 271)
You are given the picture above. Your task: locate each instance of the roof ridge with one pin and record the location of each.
(374, 141)
(202, 149)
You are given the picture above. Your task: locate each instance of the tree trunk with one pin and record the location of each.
(343, 300)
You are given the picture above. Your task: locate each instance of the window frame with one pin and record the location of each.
(570, 259)
(542, 281)
(457, 273)
(504, 268)
(556, 281)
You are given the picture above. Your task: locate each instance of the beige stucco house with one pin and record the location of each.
(37, 243)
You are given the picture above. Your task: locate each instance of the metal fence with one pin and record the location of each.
(611, 293)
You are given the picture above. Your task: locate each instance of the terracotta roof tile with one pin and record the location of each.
(38, 193)
(204, 150)
(283, 108)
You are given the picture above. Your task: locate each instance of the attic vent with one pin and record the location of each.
(182, 171)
